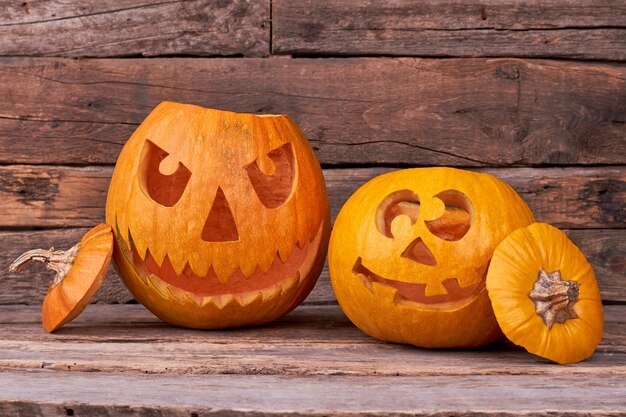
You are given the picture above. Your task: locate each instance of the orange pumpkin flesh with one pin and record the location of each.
(545, 295)
(221, 219)
(409, 253)
(80, 273)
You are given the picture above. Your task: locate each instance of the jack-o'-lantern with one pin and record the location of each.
(409, 253)
(220, 219)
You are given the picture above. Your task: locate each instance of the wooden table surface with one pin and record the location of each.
(121, 359)
(532, 92)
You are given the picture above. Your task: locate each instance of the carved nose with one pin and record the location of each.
(417, 251)
(220, 225)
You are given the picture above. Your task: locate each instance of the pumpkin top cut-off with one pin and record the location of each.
(80, 272)
(545, 295)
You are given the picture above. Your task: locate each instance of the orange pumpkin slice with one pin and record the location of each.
(545, 295)
(80, 271)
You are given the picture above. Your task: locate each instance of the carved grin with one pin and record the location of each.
(416, 293)
(280, 278)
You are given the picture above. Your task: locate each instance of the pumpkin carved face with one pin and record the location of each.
(410, 251)
(221, 219)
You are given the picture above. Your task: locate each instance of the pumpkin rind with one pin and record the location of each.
(513, 272)
(466, 320)
(217, 215)
(80, 272)
(65, 301)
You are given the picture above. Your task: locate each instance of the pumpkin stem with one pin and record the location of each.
(59, 261)
(554, 298)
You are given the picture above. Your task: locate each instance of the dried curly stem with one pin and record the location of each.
(59, 261)
(554, 298)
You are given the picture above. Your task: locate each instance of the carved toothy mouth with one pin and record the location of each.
(280, 278)
(407, 292)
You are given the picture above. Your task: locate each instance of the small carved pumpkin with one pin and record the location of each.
(410, 250)
(545, 295)
(220, 219)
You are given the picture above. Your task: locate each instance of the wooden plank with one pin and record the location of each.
(60, 196)
(316, 38)
(458, 14)
(37, 393)
(605, 249)
(109, 28)
(35, 195)
(459, 112)
(585, 29)
(312, 340)
(312, 362)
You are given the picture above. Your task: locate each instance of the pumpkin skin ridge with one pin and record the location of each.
(311, 246)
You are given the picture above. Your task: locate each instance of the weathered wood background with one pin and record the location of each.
(534, 93)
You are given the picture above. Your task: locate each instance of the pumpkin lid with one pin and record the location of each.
(80, 272)
(545, 295)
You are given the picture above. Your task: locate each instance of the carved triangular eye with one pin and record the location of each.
(274, 190)
(163, 189)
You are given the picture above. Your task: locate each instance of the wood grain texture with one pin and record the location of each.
(461, 14)
(606, 251)
(33, 394)
(34, 195)
(312, 340)
(60, 196)
(567, 29)
(312, 362)
(456, 112)
(128, 28)
(603, 248)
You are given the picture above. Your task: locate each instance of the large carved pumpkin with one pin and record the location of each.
(220, 219)
(410, 250)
